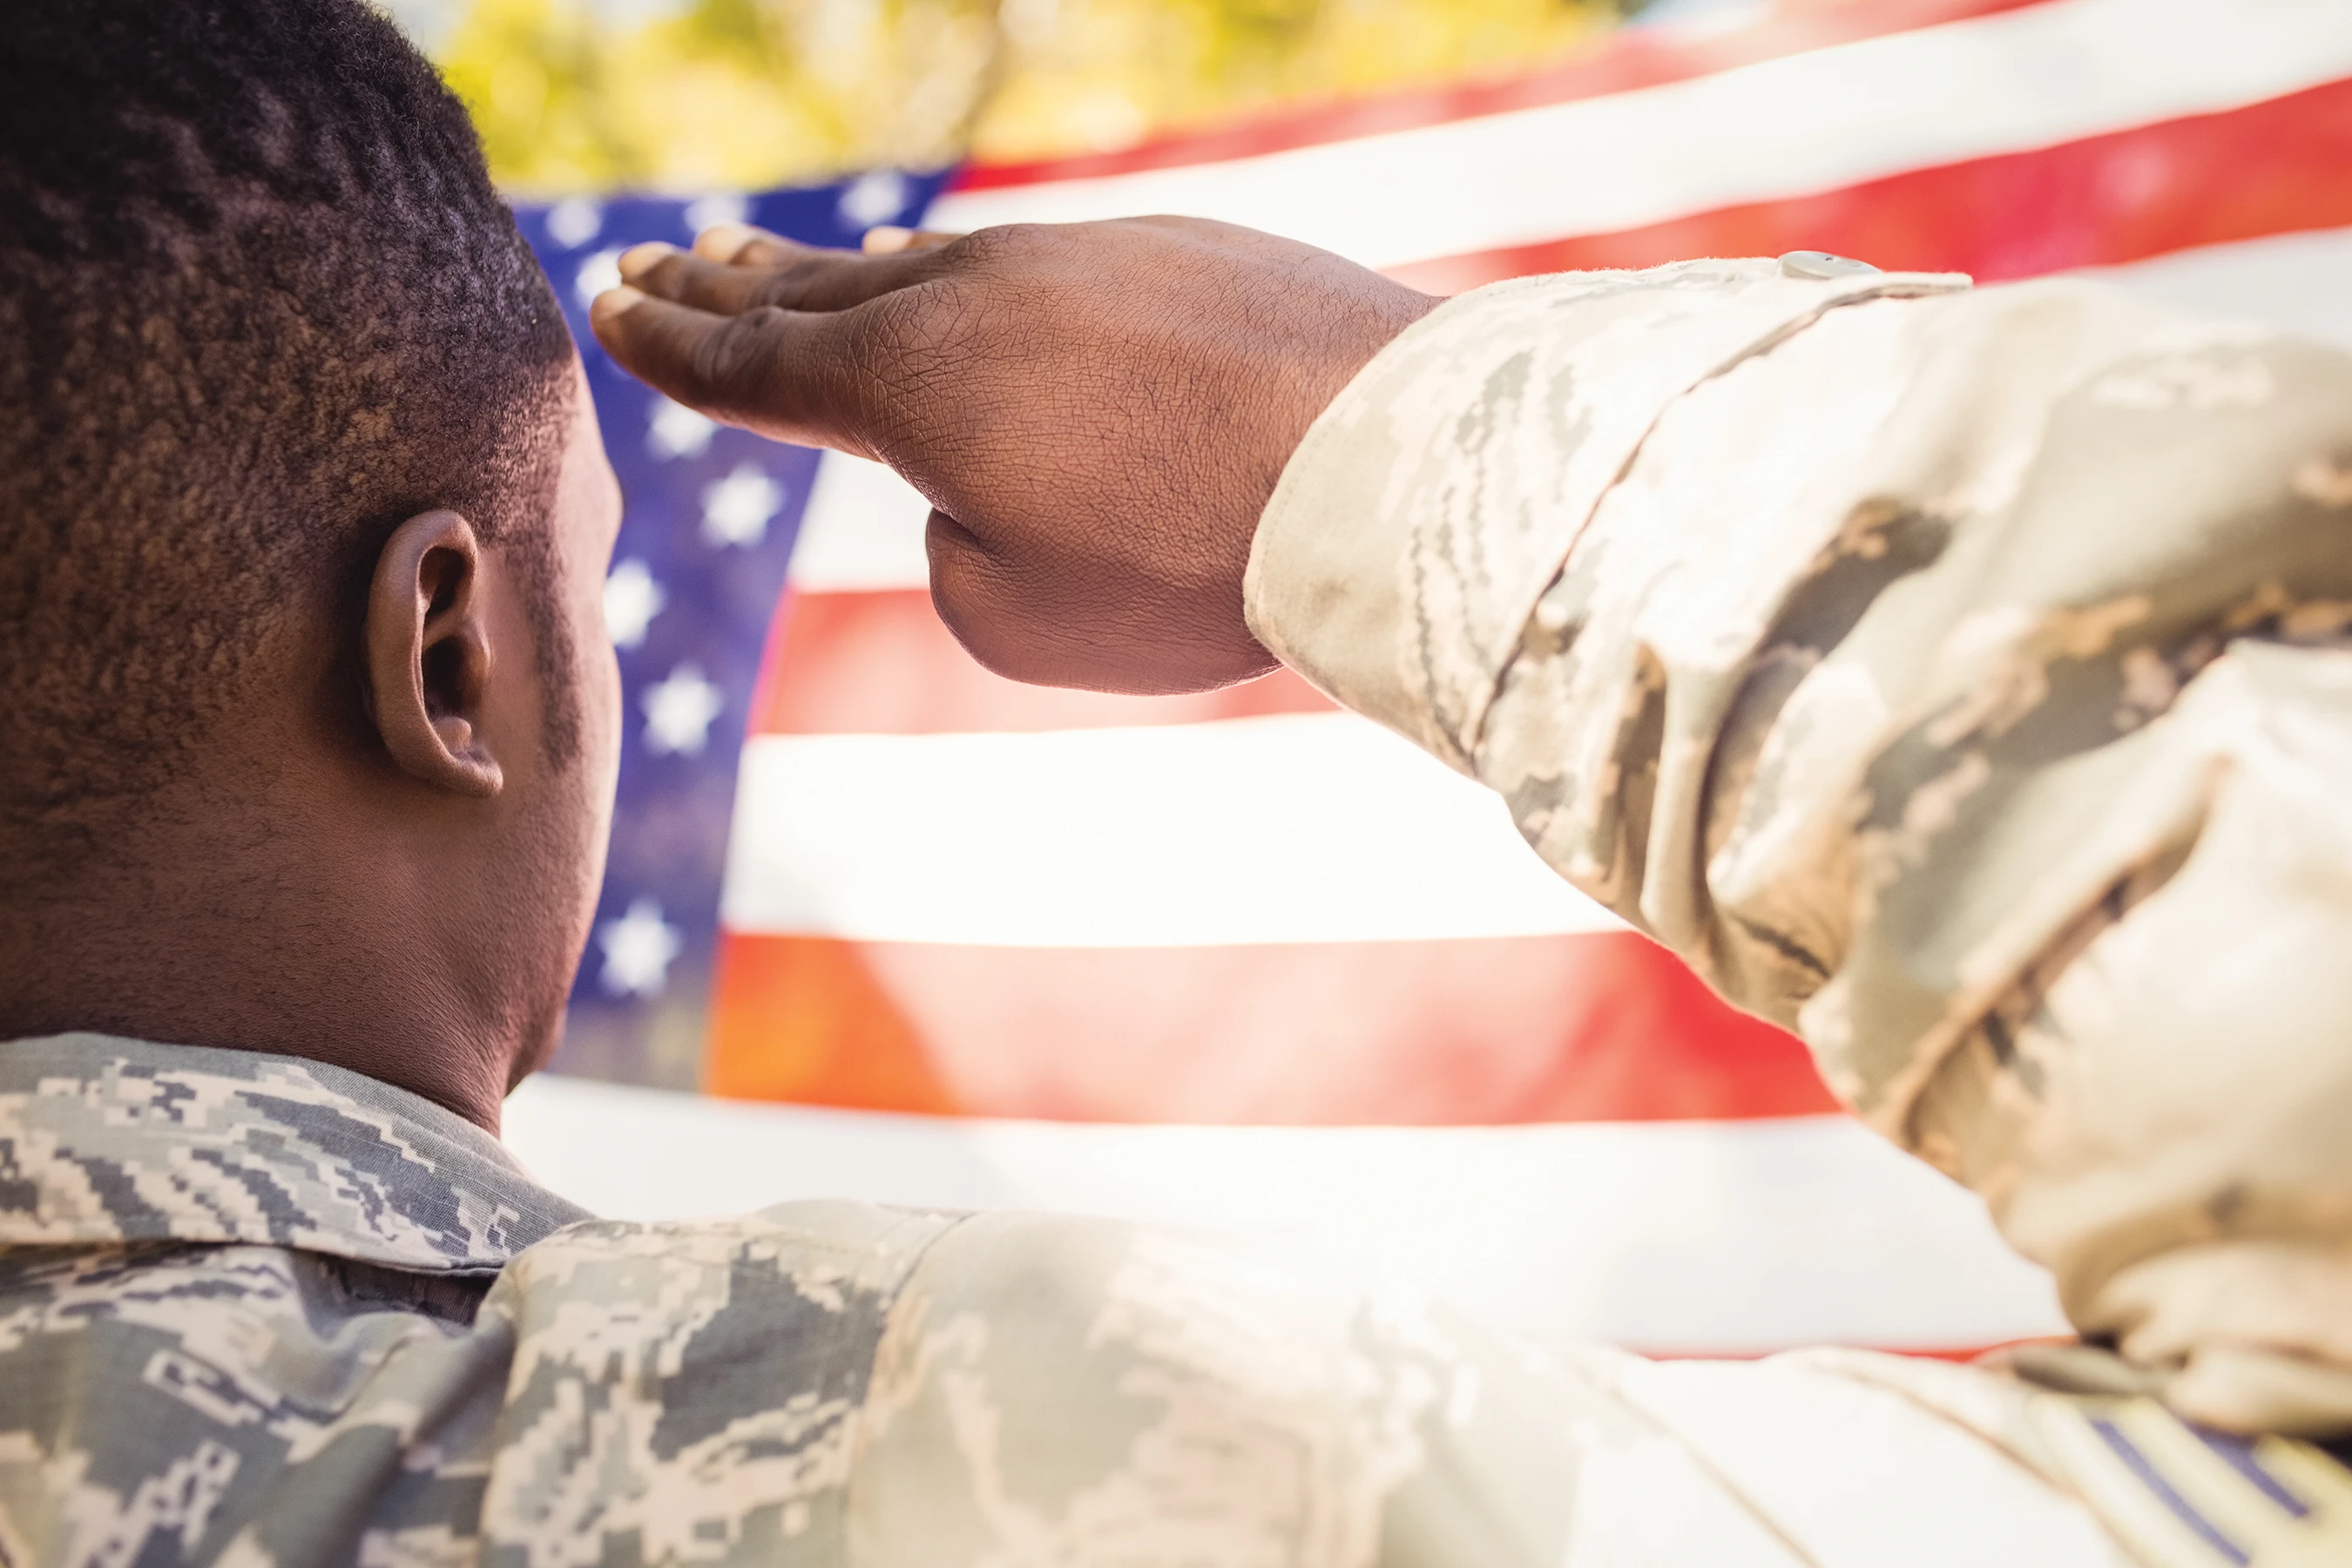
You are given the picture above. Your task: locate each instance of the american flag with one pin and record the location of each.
(976, 942)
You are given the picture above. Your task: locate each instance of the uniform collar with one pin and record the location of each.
(109, 1140)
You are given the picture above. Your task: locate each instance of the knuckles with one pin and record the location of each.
(996, 247)
(731, 362)
(905, 340)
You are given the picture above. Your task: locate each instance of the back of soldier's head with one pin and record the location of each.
(260, 303)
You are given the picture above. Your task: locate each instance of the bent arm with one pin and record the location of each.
(1953, 677)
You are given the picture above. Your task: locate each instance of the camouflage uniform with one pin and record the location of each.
(254, 1311)
(1663, 558)
(1961, 678)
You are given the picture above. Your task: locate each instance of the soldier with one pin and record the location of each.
(307, 752)
(1961, 679)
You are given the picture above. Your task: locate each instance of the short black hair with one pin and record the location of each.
(259, 301)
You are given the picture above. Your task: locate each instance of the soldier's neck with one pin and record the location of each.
(258, 962)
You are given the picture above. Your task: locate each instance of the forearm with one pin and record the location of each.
(1848, 667)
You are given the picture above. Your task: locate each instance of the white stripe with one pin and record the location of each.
(1665, 1236)
(1305, 827)
(863, 529)
(2299, 283)
(1808, 122)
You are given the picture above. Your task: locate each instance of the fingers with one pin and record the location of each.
(889, 239)
(741, 245)
(803, 279)
(747, 327)
(668, 273)
(786, 374)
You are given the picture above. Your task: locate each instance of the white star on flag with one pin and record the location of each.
(678, 712)
(598, 273)
(573, 222)
(639, 948)
(678, 431)
(710, 211)
(872, 198)
(737, 509)
(632, 600)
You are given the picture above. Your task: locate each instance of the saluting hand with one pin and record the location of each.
(1096, 412)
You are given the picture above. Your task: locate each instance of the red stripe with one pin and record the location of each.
(1960, 1353)
(883, 663)
(1600, 1027)
(1634, 58)
(2275, 167)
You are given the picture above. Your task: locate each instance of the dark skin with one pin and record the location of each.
(1098, 412)
(390, 874)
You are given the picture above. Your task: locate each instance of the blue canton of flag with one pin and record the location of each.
(709, 518)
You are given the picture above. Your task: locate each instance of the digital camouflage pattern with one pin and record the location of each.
(258, 1311)
(1961, 678)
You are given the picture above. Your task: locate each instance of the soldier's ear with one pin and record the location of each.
(428, 657)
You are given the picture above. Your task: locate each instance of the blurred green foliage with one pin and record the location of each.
(692, 95)
(1090, 74)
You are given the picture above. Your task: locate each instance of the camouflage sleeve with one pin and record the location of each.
(1959, 679)
(835, 1386)
(1064, 1391)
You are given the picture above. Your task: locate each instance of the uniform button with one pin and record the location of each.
(1820, 263)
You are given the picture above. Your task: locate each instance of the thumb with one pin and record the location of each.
(786, 374)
